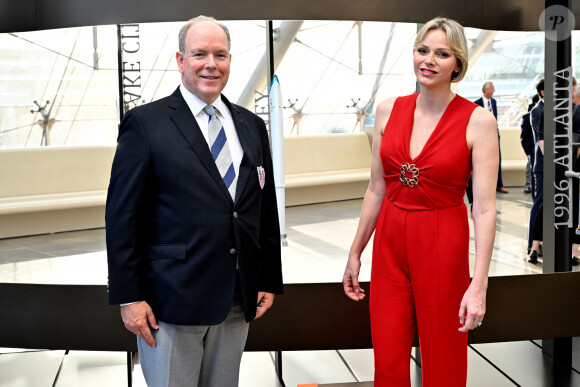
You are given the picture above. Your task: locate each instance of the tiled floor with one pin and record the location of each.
(319, 238)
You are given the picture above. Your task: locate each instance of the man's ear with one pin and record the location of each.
(179, 58)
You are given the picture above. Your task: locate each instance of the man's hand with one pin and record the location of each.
(265, 301)
(138, 317)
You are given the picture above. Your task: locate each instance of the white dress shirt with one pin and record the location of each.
(487, 104)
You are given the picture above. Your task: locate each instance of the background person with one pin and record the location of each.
(576, 96)
(574, 237)
(488, 102)
(536, 116)
(193, 241)
(527, 142)
(423, 148)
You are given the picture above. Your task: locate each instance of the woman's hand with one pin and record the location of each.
(350, 279)
(472, 308)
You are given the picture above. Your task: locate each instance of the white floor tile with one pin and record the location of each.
(93, 369)
(257, 370)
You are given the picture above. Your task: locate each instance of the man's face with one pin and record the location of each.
(488, 93)
(575, 97)
(205, 64)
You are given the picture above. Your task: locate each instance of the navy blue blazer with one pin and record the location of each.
(526, 135)
(536, 116)
(479, 102)
(174, 233)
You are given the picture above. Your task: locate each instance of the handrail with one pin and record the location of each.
(309, 316)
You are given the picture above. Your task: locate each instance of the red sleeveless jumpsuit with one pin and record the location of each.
(420, 267)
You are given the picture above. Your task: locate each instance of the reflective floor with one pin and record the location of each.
(319, 238)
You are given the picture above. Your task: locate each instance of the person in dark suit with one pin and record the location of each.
(536, 116)
(527, 142)
(193, 239)
(538, 226)
(574, 237)
(488, 102)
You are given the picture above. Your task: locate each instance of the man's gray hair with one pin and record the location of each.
(486, 86)
(200, 18)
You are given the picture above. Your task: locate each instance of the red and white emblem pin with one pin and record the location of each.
(261, 177)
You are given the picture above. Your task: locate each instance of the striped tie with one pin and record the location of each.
(220, 150)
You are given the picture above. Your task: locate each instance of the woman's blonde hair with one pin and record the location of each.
(456, 39)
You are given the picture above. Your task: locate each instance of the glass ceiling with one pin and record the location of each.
(319, 76)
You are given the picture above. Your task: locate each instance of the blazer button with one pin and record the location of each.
(235, 215)
(232, 251)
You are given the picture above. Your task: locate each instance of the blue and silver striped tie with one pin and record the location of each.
(220, 150)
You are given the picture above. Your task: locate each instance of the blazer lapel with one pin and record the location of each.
(187, 125)
(245, 137)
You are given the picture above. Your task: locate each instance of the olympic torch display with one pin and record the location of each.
(277, 133)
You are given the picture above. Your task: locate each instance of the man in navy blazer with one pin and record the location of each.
(488, 102)
(527, 142)
(536, 119)
(191, 260)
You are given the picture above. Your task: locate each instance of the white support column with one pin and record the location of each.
(258, 81)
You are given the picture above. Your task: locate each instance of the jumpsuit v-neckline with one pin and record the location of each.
(407, 138)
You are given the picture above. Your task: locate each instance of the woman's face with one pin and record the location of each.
(433, 60)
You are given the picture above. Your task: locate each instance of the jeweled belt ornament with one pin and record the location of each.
(409, 175)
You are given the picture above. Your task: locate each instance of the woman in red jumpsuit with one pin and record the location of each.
(425, 147)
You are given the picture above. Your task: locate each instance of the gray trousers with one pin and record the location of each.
(196, 355)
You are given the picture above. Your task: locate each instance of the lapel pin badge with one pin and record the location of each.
(261, 176)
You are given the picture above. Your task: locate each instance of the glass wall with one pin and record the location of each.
(332, 71)
(514, 63)
(57, 66)
(82, 89)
